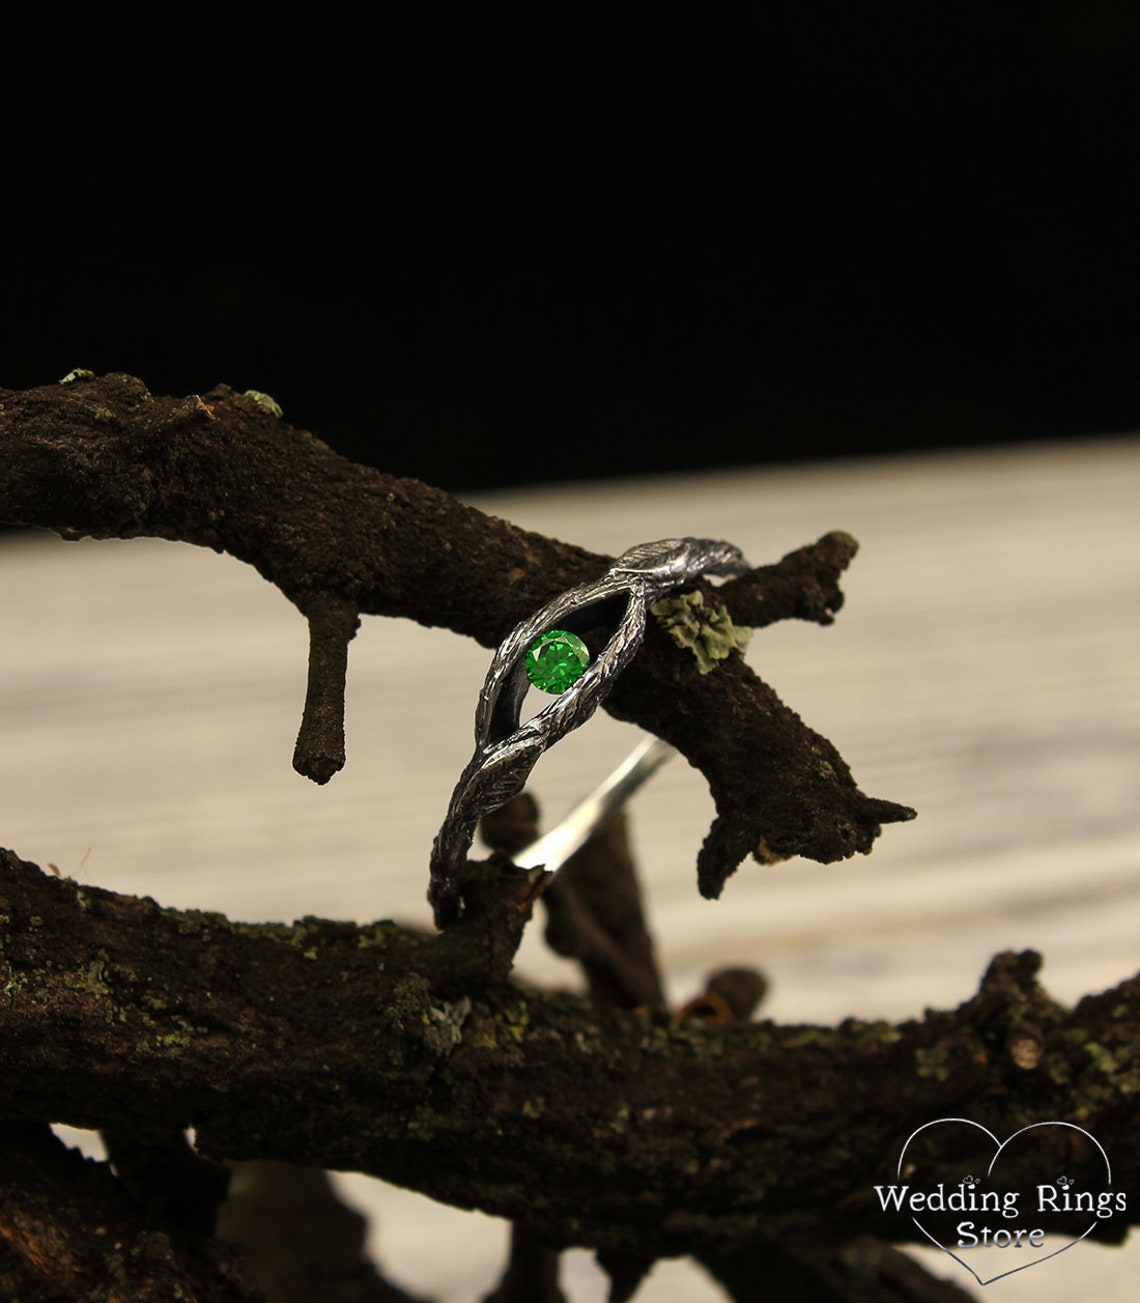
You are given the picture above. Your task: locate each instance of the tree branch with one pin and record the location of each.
(101, 456)
(68, 1226)
(594, 913)
(319, 752)
(416, 1060)
(302, 1245)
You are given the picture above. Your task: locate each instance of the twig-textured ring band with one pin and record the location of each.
(575, 646)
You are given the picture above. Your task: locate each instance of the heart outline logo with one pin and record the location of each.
(1001, 1145)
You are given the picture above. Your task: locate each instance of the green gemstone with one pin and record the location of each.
(556, 660)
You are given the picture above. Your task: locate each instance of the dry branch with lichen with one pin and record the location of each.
(104, 457)
(603, 1121)
(416, 1059)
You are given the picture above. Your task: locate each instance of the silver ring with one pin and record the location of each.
(601, 625)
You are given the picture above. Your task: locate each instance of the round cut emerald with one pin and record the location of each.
(556, 660)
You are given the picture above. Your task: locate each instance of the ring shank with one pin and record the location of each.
(553, 849)
(610, 615)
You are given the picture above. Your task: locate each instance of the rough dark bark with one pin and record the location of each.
(102, 456)
(595, 916)
(609, 1121)
(532, 1272)
(418, 1061)
(69, 1232)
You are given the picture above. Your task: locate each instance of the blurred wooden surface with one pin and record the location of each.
(984, 670)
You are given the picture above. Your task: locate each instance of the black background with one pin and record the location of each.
(498, 244)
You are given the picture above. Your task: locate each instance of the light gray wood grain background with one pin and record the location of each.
(983, 671)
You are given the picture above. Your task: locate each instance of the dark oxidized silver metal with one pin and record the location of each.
(610, 616)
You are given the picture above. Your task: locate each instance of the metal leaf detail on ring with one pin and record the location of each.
(608, 619)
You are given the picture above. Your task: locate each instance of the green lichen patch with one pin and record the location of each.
(408, 1003)
(93, 978)
(1102, 1058)
(444, 1025)
(870, 1037)
(1120, 1074)
(270, 406)
(619, 1121)
(706, 631)
(517, 1019)
(379, 935)
(932, 1063)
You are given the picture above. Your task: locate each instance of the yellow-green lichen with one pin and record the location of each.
(811, 1035)
(93, 978)
(406, 1010)
(1101, 1057)
(445, 1025)
(1121, 1077)
(517, 1019)
(931, 1063)
(270, 406)
(620, 1120)
(706, 631)
(378, 935)
(870, 1037)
